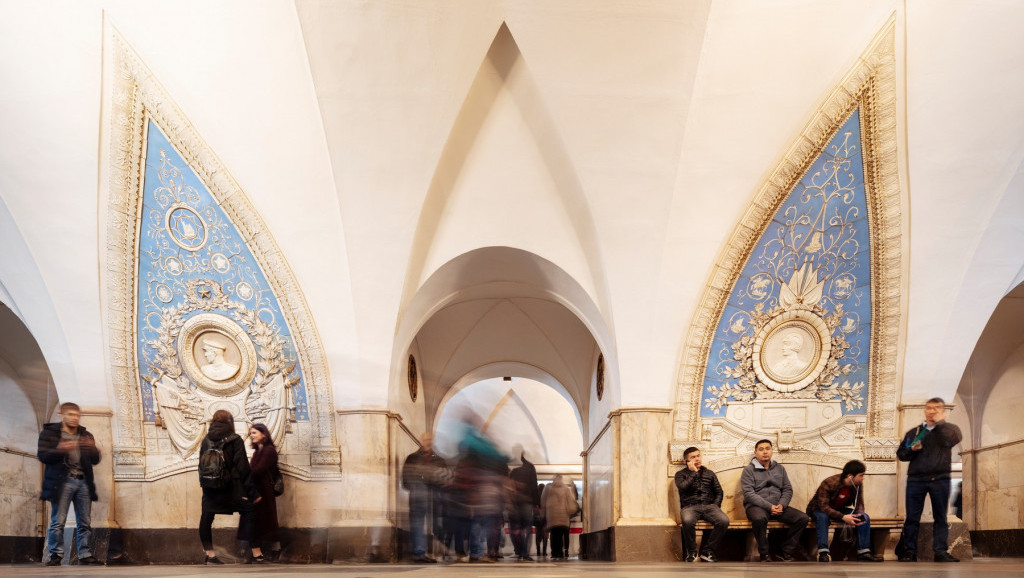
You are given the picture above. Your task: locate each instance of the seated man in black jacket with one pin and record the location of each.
(700, 497)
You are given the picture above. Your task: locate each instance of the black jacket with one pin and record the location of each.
(932, 461)
(698, 488)
(56, 470)
(235, 495)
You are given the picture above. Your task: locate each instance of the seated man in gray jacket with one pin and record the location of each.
(766, 495)
(700, 497)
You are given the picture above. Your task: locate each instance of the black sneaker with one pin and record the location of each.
(824, 557)
(869, 557)
(708, 557)
(259, 559)
(89, 561)
(54, 560)
(213, 561)
(691, 557)
(765, 558)
(908, 557)
(945, 557)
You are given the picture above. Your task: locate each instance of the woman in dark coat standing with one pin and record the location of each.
(235, 494)
(264, 469)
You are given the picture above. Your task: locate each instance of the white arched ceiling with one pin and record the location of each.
(334, 116)
(496, 307)
(997, 363)
(23, 368)
(523, 414)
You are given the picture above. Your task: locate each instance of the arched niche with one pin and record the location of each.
(494, 306)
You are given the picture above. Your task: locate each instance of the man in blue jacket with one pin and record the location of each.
(766, 495)
(929, 448)
(68, 453)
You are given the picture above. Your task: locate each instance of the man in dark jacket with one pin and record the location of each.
(524, 502)
(69, 452)
(840, 498)
(421, 475)
(700, 498)
(928, 447)
(766, 495)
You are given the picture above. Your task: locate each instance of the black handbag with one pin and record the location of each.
(278, 483)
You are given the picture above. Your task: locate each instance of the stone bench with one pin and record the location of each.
(739, 543)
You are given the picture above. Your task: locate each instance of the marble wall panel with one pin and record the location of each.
(365, 491)
(1004, 508)
(1011, 465)
(20, 483)
(643, 459)
(988, 470)
(599, 500)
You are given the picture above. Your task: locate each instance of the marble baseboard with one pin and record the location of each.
(998, 543)
(21, 549)
(959, 542)
(181, 545)
(598, 545)
(646, 544)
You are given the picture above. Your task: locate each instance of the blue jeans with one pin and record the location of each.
(417, 515)
(938, 490)
(821, 522)
(74, 491)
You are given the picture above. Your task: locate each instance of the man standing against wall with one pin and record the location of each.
(421, 473)
(68, 452)
(700, 498)
(929, 449)
(766, 495)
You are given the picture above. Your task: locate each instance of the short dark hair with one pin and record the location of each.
(937, 400)
(70, 405)
(852, 468)
(759, 442)
(688, 451)
(222, 415)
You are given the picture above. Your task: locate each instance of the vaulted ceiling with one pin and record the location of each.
(621, 142)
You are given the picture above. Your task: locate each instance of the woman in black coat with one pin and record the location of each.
(264, 469)
(229, 493)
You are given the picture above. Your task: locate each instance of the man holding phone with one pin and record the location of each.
(929, 449)
(700, 497)
(840, 498)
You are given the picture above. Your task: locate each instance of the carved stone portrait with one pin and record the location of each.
(791, 350)
(219, 357)
(216, 354)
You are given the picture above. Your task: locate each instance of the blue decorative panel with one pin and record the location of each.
(798, 321)
(211, 333)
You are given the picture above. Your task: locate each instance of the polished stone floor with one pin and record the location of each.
(984, 567)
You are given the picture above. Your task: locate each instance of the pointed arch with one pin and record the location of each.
(869, 88)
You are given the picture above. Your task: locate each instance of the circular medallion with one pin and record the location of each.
(185, 227)
(173, 265)
(414, 378)
(220, 263)
(599, 378)
(216, 354)
(791, 350)
(244, 291)
(164, 293)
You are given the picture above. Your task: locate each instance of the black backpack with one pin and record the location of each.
(214, 471)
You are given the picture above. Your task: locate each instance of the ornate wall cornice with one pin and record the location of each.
(136, 98)
(871, 86)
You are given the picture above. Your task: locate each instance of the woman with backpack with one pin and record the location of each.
(264, 472)
(227, 483)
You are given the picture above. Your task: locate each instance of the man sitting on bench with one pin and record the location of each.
(840, 498)
(766, 494)
(700, 497)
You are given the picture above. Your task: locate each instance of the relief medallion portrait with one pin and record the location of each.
(217, 354)
(791, 350)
